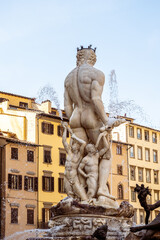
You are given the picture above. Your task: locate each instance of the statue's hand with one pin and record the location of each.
(64, 124)
(104, 128)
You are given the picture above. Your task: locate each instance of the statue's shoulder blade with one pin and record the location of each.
(70, 76)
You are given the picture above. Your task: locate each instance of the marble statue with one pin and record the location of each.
(87, 118)
(75, 152)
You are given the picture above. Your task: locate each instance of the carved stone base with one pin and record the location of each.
(82, 226)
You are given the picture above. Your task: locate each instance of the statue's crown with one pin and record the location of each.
(89, 47)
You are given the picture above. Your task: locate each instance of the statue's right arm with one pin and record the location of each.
(96, 92)
(68, 104)
(64, 141)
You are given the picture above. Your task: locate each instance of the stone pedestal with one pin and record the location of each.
(82, 226)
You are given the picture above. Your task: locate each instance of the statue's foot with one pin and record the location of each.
(105, 194)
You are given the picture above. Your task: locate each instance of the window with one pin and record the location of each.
(47, 156)
(154, 137)
(61, 185)
(155, 158)
(146, 135)
(53, 112)
(139, 133)
(156, 177)
(30, 156)
(14, 153)
(47, 128)
(148, 175)
(133, 195)
(156, 195)
(23, 104)
(119, 170)
(60, 131)
(30, 183)
(62, 158)
(141, 216)
(120, 191)
(64, 115)
(147, 154)
(148, 199)
(139, 153)
(15, 181)
(132, 151)
(46, 216)
(48, 184)
(134, 218)
(119, 150)
(14, 215)
(132, 173)
(30, 216)
(131, 131)
(140, 174)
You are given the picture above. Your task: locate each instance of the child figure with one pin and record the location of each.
(75, 151)
(89, 165)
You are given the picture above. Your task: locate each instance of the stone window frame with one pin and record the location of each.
(147, 149)
(154, 139)
(139, 147)
(155, 151)
(146, 135)
(139, 135)
(132, 146)
(131, 131)
(140, 174)
(134, 170)
(148, 170)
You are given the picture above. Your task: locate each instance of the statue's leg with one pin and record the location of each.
(68, 188)
(79, 190)
(104, 170)
(92, 184)
(148, 235)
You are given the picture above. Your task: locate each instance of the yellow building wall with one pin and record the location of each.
(20, 197)
(143, 164)
(114, 178)
(55, 142)
(14, 124)
(14, 99)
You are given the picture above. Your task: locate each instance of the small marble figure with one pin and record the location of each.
(75, 151)
(88, 167)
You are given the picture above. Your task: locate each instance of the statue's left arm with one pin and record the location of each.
(96, 92)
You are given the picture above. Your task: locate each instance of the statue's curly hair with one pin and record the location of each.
(86, 55)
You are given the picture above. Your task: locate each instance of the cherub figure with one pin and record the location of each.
(89, 165)
(75, 151)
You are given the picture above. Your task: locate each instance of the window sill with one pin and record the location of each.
(48, 163)
(14, 159)
(15, 223)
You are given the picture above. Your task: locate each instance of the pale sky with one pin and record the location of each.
(38, 41)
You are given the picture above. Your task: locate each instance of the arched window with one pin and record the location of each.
(120, 191)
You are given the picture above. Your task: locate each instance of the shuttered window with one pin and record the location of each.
(62, 159)
(14, 181)
(48, 184)
(30, 156)
(47, 156)
(14, 215)
(14, 153)
(30, 216)
(61, 185)
(47, 128)
(60, 131)
(30, 183)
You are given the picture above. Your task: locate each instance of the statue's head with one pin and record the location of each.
(75, 147)
(90, 148)
(86, 55)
